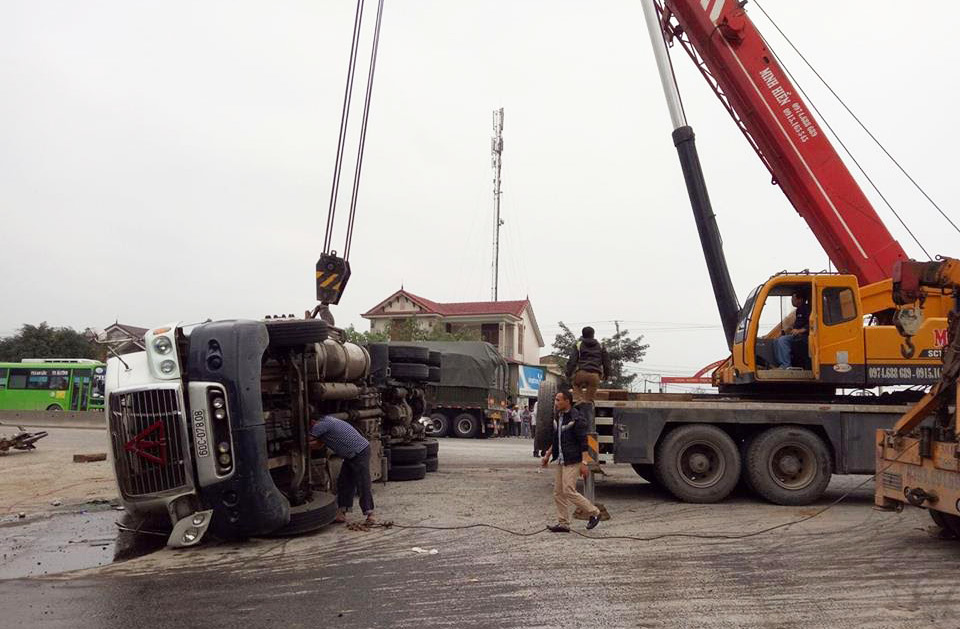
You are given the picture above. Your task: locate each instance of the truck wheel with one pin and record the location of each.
(379, 360)
(698, 463)
(433, 447)
(434, 374)
(466, 426)
(409, 354)
(295, 333)
(316, 513)
(432, 464)
(407, 472)
(645, 471)
(435, 358)
(409, 371)
(406, 454)
(439, 425)
(544, 432)
(789, 465)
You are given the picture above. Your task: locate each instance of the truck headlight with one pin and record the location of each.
(162, 345)
(168, 366)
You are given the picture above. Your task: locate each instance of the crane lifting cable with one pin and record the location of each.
(862, 126)
(333, 271)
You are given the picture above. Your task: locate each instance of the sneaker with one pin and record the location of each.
(559, 528)
(593, 521)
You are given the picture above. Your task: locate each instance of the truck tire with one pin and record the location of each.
(434, 359)
(433, 374)
(439, 425)
(409, 354)
(466, 426)
(316, 513)
(698, 463)
(433, 447)
(432, 464)
(295, 333)
(645, 471)
(409, 371)
(415, 471)
(789, 465)
(379, 361)
(543, 435)
(407, 454)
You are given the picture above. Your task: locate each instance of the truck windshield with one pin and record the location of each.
(743, 318)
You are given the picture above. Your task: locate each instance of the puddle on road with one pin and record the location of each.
(58, 543)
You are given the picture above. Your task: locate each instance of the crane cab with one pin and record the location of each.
(832, 350)
(844, 346)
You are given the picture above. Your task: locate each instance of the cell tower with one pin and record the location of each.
(496, 152)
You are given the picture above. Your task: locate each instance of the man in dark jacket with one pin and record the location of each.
(587, 366)
(568, 445)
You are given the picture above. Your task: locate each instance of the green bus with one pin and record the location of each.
(52, 384)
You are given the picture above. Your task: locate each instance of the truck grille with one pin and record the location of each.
(146, 432)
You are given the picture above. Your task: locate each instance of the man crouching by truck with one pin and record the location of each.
(347, 443)
(567, 447)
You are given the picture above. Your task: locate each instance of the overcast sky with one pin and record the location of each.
(172, 160)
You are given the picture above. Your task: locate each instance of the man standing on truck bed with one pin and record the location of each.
(347, 443)
(567, 447)
(587, 366)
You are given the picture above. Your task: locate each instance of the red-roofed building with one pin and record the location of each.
(510, 326)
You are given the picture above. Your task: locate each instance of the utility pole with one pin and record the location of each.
(616, 324)
(496, 152)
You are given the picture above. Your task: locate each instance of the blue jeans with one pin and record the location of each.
(782, 348)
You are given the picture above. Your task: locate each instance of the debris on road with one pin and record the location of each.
(424, 551)
(22, 440)
(89, 458)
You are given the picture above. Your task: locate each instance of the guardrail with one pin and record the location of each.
(93, 420)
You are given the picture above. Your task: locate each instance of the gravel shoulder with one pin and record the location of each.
(31, 480)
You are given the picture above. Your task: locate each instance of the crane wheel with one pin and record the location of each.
(698, 463)
(947, 521)
(789, 465)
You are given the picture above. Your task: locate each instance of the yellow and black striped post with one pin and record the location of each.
(592, 458)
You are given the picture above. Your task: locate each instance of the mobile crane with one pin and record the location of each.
(783, 432)
(781, 128)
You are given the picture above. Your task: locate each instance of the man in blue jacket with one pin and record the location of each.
(568, 445)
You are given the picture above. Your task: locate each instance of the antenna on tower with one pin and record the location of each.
(496, 152)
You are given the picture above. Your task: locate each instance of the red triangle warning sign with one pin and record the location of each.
(157, 441)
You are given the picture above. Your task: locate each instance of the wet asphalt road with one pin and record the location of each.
(852, 566)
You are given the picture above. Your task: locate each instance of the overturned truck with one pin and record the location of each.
(209, 425)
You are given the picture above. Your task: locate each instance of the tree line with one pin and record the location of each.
(46, 341)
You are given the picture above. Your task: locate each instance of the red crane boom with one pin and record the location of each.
(748, 79)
